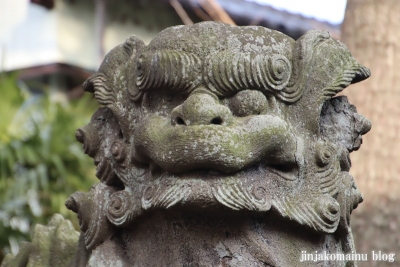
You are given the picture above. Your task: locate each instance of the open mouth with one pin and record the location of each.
(287, 173)
(181, 149)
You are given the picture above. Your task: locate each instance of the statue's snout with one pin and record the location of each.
(201, 109)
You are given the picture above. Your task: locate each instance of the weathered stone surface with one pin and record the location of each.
(220, 146)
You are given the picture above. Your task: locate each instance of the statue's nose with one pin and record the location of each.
(201, 109)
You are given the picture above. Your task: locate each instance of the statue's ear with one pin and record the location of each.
(133, 48)
(117, 74)
(115, 83)
(88, 85)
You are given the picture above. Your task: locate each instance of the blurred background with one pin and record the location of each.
(49, 47)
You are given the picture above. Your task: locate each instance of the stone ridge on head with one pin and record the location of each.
(205, 38)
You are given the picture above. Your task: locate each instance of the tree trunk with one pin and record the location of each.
(370, 31)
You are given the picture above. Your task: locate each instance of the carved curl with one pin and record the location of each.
(237, 195)
(122, 208)
(328, 167)
(164, 195)
(91, 214)
(323, 215)
(226, 72)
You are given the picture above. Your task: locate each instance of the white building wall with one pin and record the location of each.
(66, 34)
(32, 42)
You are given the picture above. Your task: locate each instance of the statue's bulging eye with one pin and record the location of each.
(248, 102)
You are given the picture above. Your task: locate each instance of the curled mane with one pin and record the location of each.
(353, 74)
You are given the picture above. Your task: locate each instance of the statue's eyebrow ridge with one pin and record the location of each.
(225, 73)
(169, 69)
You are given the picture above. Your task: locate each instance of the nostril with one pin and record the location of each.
(180, 121)
(217, 121)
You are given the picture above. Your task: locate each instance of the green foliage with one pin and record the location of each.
(41, 163)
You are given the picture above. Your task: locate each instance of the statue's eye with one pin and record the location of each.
(248, 102)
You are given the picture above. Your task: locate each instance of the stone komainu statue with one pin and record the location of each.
(220, 145)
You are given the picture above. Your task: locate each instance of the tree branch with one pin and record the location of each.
(181, 12)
